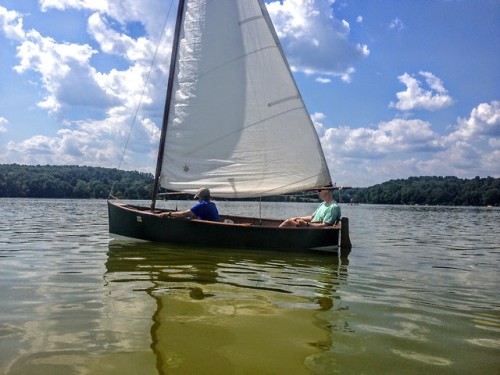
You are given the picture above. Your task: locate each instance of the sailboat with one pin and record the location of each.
(235, 123)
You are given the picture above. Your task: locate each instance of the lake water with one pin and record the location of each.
(419, 294)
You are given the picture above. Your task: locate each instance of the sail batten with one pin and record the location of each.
(237, 122)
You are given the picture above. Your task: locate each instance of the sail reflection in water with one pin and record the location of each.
(224, 312)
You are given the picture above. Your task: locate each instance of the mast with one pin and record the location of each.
(171, 73)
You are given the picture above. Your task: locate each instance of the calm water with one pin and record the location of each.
(418, 295)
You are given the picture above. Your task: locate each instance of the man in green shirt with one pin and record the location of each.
(327, 214)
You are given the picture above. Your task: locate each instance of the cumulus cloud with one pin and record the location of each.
(94, 143)
(474, 144)
(388, 138)
(118, 43)
(95, 109)
(12, 24)
(70, 80)
(315, 41)
(416, 97)
(484, 121)
(65, 72)
(361, 155)
(317, 119)
(3, 123)
(409, 147)
(65, 4)
(149, 13)
(69, 147)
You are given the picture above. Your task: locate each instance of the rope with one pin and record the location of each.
(142, 94)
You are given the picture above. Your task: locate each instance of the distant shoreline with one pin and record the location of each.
(82, 182)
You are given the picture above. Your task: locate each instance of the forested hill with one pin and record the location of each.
(94, 182)
(71, 181)
(450, 191)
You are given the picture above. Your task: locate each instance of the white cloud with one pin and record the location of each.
(94, 143)
(128, 85)
(401, 148)
(69, 80)
(415, 97)
(396, 24)
(3, 123)
(462, 155)
(69, 147)
(101, 5)
(316, 118)
(73, 86)
(314, 40)
(398, 136)
(64, 69)
(12, 24)
(484, 121)
(323, 80)
(117, 43)
(361, 157)
(150, 13)
(463, 159)
(494, 143)
(474, 145)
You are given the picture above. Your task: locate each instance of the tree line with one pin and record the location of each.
(72, 181)
(441, 191)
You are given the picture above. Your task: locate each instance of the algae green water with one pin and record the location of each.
(418, 295)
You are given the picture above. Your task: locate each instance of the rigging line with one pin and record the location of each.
(143, 91)
(146, 83)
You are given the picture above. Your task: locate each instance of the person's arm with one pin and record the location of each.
(304, 218)
(302, 221)
(329, 218)
(318, 224)
(178, 214)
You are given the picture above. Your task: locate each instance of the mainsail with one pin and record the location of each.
(236, 123)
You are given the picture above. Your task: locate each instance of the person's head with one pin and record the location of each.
(203, 194)
(325, 193)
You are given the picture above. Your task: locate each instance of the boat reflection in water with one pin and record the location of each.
(224, 312)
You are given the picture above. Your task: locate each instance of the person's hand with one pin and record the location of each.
(300, 222)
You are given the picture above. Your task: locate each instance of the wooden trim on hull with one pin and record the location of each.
(243, 232)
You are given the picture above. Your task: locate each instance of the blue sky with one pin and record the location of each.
(396, 88)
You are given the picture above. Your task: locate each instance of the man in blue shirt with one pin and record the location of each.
(204, 210)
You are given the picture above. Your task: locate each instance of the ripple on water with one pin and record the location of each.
(428, 359)
(419, 295)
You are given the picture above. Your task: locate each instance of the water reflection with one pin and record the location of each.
(422, 297)
(220, 311)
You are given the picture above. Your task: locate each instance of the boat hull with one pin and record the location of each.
(241, 232)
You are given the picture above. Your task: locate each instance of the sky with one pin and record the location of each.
(395, 88)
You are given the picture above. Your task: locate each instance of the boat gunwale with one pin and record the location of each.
(241, 221)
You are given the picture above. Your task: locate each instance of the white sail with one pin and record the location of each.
(237, 123)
